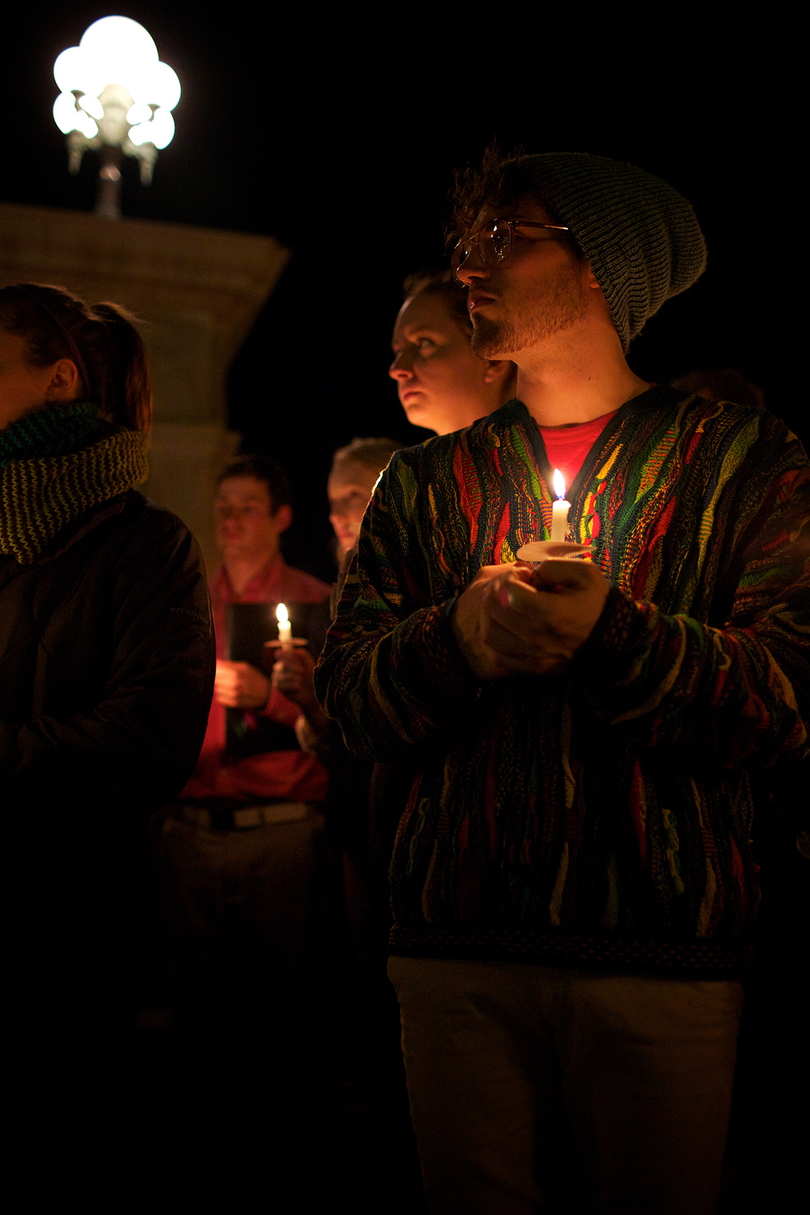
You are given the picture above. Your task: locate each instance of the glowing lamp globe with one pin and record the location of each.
(116, 97)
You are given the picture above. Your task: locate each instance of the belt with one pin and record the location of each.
(241, 818)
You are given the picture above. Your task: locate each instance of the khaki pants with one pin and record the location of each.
(534, 1088)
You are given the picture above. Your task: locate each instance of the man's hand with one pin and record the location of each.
(516, 619)
(238, 685)
(292, 676)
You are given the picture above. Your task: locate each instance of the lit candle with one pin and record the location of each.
(284, 627)
(559, 509)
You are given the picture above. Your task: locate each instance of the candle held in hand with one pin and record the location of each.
(284, 627)
(559, 509)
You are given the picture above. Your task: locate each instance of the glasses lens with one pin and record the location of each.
(497, 239)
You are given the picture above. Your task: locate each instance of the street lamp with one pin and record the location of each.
(116, 97)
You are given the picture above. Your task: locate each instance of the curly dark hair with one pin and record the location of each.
(499, 180)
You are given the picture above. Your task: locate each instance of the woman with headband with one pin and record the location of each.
(107, 669)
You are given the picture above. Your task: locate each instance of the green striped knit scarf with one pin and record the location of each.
(54, 465)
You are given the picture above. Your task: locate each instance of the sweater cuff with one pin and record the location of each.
(433, 645)
(601, 655)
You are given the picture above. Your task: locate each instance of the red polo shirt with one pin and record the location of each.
(275, 775)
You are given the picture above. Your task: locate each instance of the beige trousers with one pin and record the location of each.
(536, 1089)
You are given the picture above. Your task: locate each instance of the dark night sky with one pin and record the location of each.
(340, 140)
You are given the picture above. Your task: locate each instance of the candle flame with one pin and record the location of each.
(281, 614)
(559, 483)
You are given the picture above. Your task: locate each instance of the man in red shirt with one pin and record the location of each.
(241, 851)
(252, 510)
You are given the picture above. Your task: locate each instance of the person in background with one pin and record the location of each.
(245, 876)
(362, 827)
(722, 384)
(442, 383)
(355, 471)
(107, 655)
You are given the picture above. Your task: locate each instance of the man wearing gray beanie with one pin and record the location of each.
(572, 881)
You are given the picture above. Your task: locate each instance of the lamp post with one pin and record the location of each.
(116, 98)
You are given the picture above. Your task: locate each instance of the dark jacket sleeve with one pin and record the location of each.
(108, 686)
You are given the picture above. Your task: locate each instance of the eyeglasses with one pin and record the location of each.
(494, 241)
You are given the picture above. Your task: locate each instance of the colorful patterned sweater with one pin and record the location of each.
(601, 818)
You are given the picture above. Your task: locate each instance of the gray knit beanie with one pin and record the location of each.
(640, 236)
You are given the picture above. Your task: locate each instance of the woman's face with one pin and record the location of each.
(442, 384)
(23, 387)
(349, 488)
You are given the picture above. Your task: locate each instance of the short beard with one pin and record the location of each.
(567, 306)
(492, 341)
